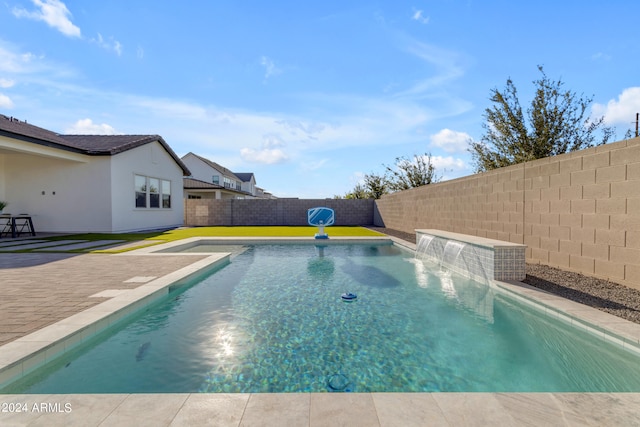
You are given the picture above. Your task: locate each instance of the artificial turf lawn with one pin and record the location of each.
(268, 231)
(150, 238)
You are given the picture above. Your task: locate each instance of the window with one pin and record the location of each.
(141, 191)
(152, 192)
(166, 194)
(215, 179)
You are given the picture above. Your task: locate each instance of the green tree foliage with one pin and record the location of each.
(556, 122)
(358, 192)
(376, 185)
(406, 173)
(409, 173)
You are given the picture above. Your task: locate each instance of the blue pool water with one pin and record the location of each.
(272, 320)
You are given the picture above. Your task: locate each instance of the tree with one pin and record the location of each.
(373, 188)
(358, 192)
(556, 124)
(376, 185)
(411, 173)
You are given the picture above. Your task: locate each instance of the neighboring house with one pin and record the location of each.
(196, 189)
(261, 194)
(209, 180)
(90, 183)
(248, 182)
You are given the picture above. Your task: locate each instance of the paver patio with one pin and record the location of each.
(41, 289)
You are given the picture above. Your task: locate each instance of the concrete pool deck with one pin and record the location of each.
(42, 289)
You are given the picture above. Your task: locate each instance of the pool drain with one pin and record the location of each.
(338, 382)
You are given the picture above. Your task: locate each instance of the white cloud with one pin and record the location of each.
(110, 44)
(621, 111)
(269, 156)
(87, 127)
(13, 62)
(6, 83)
(270, 152)
(5, 101)
(54, 13)
(270, 68)
(140, 52)
(450, 141)
(309, 129)
(448, 67)
(419, 16)
(272, 141)
(313, 165)
(450, 166)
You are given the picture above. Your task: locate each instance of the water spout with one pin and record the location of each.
(451, 253)
(423, 246)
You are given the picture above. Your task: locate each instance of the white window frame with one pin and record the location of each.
(161, 192)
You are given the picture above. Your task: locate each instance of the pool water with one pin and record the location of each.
(272, 320)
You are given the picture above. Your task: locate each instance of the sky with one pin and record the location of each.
(309, 96)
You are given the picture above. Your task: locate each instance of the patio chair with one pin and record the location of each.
(6, 225)
(23, 224)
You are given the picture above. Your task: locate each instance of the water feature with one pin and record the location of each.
(423, 246)
(451, 253)
(481, 258)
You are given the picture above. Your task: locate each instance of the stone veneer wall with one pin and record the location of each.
(578, 211)
(227, 212)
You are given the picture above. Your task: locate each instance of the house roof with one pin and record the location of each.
(245, 176)
(215, 165)
(92, 145)
(10, 126)
(196, 184)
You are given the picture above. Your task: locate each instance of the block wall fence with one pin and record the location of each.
(578, 211)
(227, 212)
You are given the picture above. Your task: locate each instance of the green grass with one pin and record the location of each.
(147, 239)
(266, 231)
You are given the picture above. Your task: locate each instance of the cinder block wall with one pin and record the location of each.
(226, 212)
(578, 211)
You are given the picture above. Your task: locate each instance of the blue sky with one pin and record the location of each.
(309, 96)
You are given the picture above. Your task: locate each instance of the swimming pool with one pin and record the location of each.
(272, 320)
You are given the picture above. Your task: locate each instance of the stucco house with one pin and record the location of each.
(90, 183)
(210, 180)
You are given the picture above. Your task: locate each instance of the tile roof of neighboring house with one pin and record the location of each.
(215, 165)
(92, 145)
(196, 184)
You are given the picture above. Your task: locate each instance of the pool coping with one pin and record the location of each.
(22, 356)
